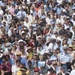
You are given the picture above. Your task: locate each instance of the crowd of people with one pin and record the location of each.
(37, 37)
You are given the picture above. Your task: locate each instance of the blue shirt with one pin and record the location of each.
(23, 61)
(65, 57)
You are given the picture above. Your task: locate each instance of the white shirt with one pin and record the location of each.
(9, 33)
(27, 24)
(1, 12)
(21, 13)
(59, 1)
(30, 18)
(28, 1)
(51, 48)
(73, 72)
(48, 20)
(15, 69)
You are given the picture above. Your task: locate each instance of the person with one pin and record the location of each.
(22, 71)
(6, 66)
(34, 34)
(65, 59)
(22, 59)
(16, 67)
(51, 71)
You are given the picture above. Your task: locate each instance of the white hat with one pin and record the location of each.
(64, 10)
(21, 41)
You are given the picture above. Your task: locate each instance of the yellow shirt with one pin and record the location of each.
(20, 73)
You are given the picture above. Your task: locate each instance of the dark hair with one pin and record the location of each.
(4, 57)
(29, 62)
(17, 61)
(59, 74)
(67, 74)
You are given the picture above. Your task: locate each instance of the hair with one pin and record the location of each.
(4, 57)
(29, 62)
(67, 74)
(59, 74)
(17, 61)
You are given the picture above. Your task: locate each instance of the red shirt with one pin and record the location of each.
(6, 67)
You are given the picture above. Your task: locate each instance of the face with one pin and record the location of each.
(54, 52)
(65, 50)
(4, 60)
(18, 64)
(41, 57)
(26, 19)
(18, 56)
(57, 51)
(70, 49)
(34, 50)
(21, 44)
(54, 63)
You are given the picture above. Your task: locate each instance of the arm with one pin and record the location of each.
(8, 67)
(2, 72)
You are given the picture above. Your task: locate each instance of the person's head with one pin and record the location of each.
(39, 46)
(4, 59)
(53, 41)
(18, 63)
(21, 43)
(54, 52)
(59, 25)
(14, 47)
(40, 57)
(51, 70)
(18, 55)
(65, 42)
(59, 74)
(8, 57)
(23, 70)
(26, 19)
(58, 42)
(22, 65)
(57, 50)
(29, 63)
(65, 49)
(34, 50)
(70, 48)
(29, 50)
(54, 63)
